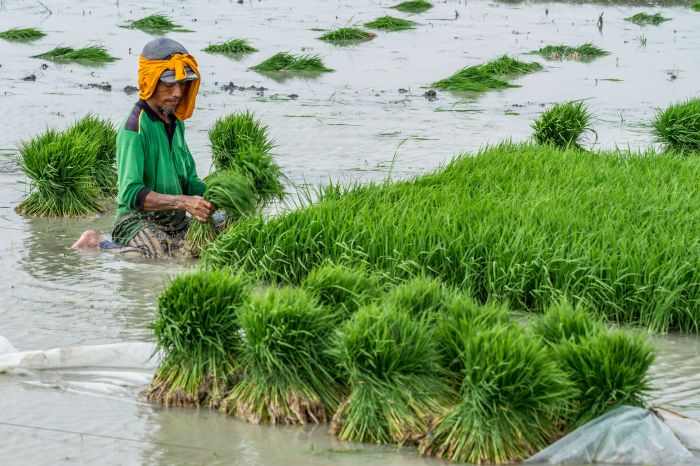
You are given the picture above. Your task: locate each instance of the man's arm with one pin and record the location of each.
(198, 207)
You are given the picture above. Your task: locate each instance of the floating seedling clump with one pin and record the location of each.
(288, 377)
(678, 127)
(413, 6)
(196, 329)
(232, 47)
(487, 76)
(17, 34)
(644, 19)
(286, 62)
(563, 125)
(90, 54)
(389, 23)
(585, 52)
(156, 24)
(347, 35)
(104, 170)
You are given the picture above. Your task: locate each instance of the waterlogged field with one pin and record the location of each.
(368, 119)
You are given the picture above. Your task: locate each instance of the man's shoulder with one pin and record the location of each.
(133, 120)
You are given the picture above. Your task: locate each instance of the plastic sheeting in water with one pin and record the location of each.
(626, 435)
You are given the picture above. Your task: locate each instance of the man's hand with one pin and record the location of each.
(199, 208)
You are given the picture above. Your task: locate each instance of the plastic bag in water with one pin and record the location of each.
(625, 435)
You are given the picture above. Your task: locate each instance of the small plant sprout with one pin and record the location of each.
(563, 125)
(585, 52)
(156, 24)
(26, 34)
(90, 54)
(286, 62)
(643, 19)
(642, 39)
(232, 47)
(678, 127)
(389, 23)
(347, 35)
(413, 6)
(487, 76)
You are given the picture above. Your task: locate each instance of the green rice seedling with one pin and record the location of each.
(288, 378)
(413, 6)
(695, 6)
(347, 35)
(286, 62)
(585, 52)
(510, 400)
(89, 54)
(59, 167)
(341, 288)
(17, 34)
(393, 372)
(644, 19)
(196, 329)
(232, 47)
(389, 23)
(102, 132)
(563, 322)
(563, 125)
(420, 296)
(240, 142)
(607, 370)
(487, 76)
(156, 24)
(678, 127)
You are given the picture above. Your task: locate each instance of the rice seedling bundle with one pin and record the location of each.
(393, 372)
(419, 296)
(104, 170)
(487, 76)
(92, 53)
(21, 34)
(389, 23)
(615, 232)
(563, 125)
(59, 167)
(341, 288)
(413, 6)
(585, 52)
(156, 24)
(196, 328)
(678, 127)
(287, 62)
(695, 6)
(232, 47)
(643, 19)
(563, 322)
(287, 378)
(347, 35)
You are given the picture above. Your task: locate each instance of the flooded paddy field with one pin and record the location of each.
(367, 119)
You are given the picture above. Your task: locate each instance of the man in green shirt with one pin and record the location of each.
(158, 182)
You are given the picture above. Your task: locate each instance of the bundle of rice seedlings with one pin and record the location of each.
(420, 296)
(156, 24)
(347, 35)
(563, 125)
(59, 167)
(695, 6)
(92, 53)
(287, 378)
(607, 370)
(413, 6)
(196, 329)
(240, 142)
(643, 19)
(487, 76)
(394, 376)
(25, 34)
(678, 126)
(389, 23)
(341, 288)
(285, 62)
(562, 322)
(511, 398)
(585, 52)
(103, 133)
(232, 47)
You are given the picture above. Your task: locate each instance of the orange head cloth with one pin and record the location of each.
(149, 75)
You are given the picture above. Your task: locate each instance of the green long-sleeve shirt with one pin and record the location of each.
(151, 156)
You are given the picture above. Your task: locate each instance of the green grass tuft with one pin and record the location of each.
(92, 54)
(17, 34)
(196, 328)
(104, 171)
(389, 23)
(585, 52)
(232, 47)
(347, 35)
(286, 62)
(156, 24)
(695, 6)
(487, 76)
(413, 6)
(644, 19)
(563, 125)
(419, 296)
(678, 127)
(563, 322)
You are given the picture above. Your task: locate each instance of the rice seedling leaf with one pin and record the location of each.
(487, 76)
(563, 125)
(286, 62)
(232, 47)
(389, 23)
(89, 54)
(644, 19)
(347, 35)
(585, 52)
(413, 6)
(677, 127)
(21, 34)
(156, 24)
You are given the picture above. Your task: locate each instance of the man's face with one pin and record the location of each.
(167, 96)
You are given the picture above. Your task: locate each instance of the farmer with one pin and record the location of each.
(158, 181)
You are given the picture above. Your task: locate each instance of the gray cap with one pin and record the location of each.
(162, 49)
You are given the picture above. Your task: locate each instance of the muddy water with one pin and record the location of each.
(353, 124)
